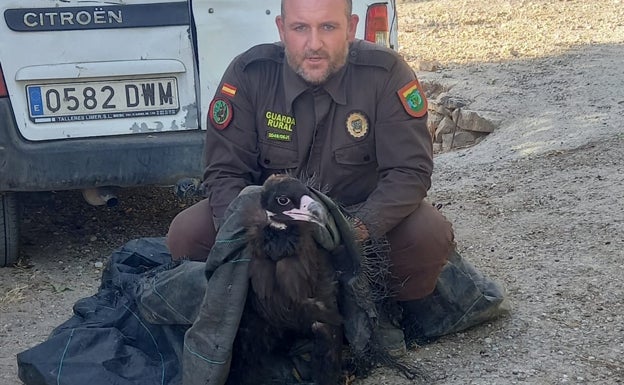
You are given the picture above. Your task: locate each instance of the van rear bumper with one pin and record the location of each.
(125, 161)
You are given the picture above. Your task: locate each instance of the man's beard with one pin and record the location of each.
(333, 66)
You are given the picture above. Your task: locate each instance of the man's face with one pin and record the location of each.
(316, 36)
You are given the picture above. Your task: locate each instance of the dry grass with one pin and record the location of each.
(15, 295)
(464, 31)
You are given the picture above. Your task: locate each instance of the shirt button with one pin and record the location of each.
(366, 158)
(267, 161)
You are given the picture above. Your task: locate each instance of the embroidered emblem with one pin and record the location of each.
(220, 113)
(278, 136)
(228, 89)
(357, 124)
(279, 121)
(413, 99)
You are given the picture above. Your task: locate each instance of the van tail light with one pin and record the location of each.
(3, 88)
(377, 29)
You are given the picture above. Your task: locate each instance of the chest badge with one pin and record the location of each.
(357, 124)
(220, 113)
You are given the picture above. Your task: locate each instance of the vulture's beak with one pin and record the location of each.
(309, 211)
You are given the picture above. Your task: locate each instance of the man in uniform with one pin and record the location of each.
(347, 114)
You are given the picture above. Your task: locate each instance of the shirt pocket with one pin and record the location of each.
(275, 157)
(356, 155)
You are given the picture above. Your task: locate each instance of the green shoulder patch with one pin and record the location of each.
(413, 99)
(220, 113)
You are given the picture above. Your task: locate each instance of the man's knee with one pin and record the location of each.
(191, 233)
(420, 246)
(426, 226)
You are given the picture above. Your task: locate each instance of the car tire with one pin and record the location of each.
(9, 227)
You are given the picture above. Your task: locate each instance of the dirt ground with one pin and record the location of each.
(538, 205)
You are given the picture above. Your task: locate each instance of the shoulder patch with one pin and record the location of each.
(413, 99)
(220, 113)
(229, 90)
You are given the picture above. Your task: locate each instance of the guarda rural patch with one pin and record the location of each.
(281, 126)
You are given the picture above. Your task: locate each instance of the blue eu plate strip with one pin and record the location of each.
(35, 101)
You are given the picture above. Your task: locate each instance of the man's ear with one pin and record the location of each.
(280, 26)
(352, 28)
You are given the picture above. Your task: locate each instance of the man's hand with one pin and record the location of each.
(360, 230)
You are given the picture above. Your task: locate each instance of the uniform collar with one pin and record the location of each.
(294, 85)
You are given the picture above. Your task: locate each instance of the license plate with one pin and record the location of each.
(67, 102)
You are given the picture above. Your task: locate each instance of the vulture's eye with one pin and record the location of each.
(282, 200)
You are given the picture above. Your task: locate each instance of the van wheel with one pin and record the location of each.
(9, 226)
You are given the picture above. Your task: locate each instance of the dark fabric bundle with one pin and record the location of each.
(107, 341)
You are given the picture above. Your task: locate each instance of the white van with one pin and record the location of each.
(114, 93)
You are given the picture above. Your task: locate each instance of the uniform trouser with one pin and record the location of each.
(419, 245)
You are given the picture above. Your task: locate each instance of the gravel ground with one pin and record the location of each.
(538, 205)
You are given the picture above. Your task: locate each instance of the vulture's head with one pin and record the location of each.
(287, 200)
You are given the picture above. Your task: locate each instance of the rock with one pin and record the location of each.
(474, 121)
(437, 107)
(433, 121)
(433, 89)
(459, 139)
(427, 65)
(446, 126)
(453, 102)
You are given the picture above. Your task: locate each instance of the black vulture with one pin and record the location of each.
(293, 291)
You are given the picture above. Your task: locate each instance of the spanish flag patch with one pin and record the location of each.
(228, 89)
(413, 99)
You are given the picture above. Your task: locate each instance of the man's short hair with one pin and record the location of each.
(349, 8)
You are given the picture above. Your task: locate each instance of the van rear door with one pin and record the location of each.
(78, 69)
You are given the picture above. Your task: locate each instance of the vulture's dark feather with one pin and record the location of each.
(293, 288)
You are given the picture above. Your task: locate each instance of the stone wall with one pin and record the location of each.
(452, 123)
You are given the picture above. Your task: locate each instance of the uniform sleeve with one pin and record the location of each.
(404, 151)
(231, 151)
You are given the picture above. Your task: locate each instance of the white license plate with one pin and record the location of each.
(67, 102)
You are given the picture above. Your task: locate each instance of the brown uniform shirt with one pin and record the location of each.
(356, 137)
